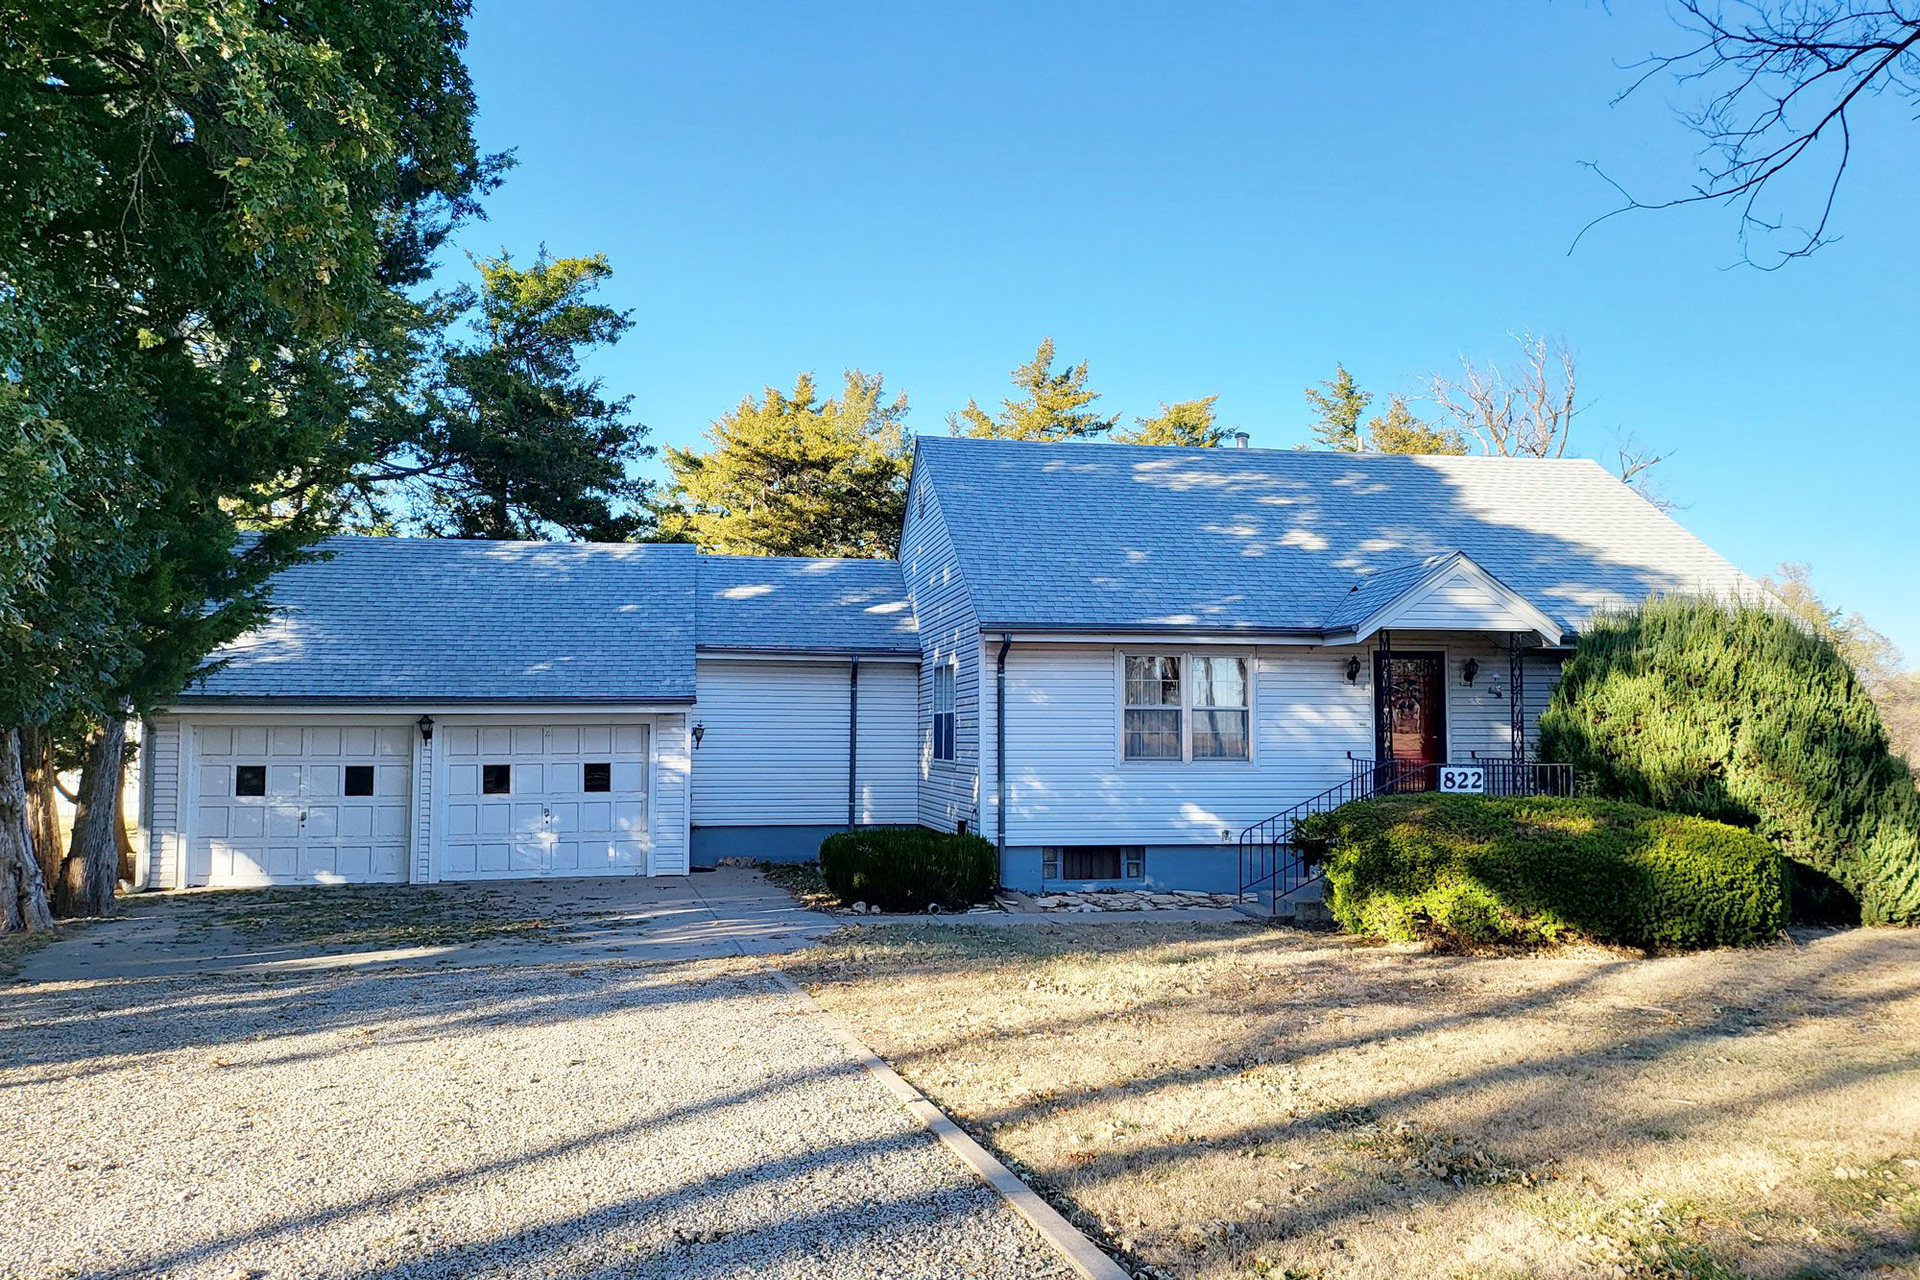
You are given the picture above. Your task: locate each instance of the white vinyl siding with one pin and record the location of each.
(161, 817)
(1066, 785)
(1461, 604)
(671, 787)
(888, 768)
(949, 632)
(775, 748)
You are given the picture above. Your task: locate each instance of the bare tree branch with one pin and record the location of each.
(1779, 78)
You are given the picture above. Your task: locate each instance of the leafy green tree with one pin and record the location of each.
(514, 441)
(1874, 657)
(1339, 402)
(211, 216)
(1398, 431)
(1189, 423)
(1744, 714)
(794, 475)
(1051, 406)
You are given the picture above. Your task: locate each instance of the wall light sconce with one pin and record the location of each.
(699, 732)
(426, 728)
(1353, 671)
(1468, 672)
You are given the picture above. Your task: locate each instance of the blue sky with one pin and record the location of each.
(1216, 198)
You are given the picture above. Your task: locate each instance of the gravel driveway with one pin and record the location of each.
(689, 1120)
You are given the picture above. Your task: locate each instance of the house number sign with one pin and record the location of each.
(1459, 777)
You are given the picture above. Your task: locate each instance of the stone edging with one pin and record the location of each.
(1082, 1253)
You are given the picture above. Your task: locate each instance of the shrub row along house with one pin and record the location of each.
(1108, 659)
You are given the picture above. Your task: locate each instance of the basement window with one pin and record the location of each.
(250, 780)
(359, 781)
(597, 776)
(496, 779)
(1093, 862)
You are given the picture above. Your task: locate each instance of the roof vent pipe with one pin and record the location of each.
(1240, 439)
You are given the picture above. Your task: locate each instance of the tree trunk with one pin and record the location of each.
(23, 894)
(43, 809)
(93, 864)
(126, 855)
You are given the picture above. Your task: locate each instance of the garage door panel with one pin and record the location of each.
(545, 824)
(301, 828)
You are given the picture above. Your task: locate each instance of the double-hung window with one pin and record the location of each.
(943, 711)
(1185, 706)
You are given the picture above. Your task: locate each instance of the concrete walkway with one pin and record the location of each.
(729, 912)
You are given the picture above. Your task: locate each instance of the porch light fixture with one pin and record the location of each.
(1353, 671)
(699, 732)
(1468, 672)
(426, 728)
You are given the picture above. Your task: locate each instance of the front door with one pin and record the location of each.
(1411, 714)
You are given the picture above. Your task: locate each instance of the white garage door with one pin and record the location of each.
(545, 800)
(300, 805)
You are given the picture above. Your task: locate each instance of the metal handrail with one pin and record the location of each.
(1270, 850)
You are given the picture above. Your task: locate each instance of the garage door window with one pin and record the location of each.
(359, 780)
(250, 780)
(496, 779)
(597, 775)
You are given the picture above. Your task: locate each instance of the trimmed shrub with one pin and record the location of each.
(1544, 869)
(1737, 713)
(909, 868)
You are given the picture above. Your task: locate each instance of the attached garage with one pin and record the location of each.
(422, 709)
(294, 804)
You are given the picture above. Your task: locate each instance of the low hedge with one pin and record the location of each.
(1542, 869)
(909, 868)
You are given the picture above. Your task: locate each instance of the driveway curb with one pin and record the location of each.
(1082, 1253)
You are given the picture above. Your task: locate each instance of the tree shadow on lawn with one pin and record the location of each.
(1234, 1081)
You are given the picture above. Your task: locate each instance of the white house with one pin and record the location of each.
(1109, 659)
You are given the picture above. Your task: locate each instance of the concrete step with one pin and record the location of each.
(1295, 910)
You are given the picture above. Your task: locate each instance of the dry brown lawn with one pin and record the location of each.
(1232, 1101)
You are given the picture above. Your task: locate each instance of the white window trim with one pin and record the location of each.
(1186, 656)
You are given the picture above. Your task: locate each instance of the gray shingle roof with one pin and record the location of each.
(1379, 588)
(1092, 536)
(792, 603)
(432, 619)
